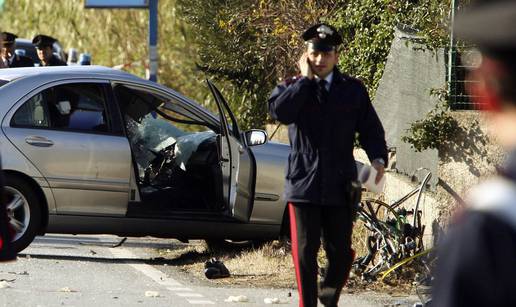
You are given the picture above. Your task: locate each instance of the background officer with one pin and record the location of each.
(8, 57)
(43, 44)
(477, 260)
(324, 109)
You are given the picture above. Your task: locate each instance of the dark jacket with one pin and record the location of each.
(476, 264)
(54, 61)
(21, 61)
(321, 163)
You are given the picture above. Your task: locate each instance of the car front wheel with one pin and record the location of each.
(23, 210)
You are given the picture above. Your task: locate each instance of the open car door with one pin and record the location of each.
(237, 163)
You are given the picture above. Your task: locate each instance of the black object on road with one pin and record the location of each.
(214, 268)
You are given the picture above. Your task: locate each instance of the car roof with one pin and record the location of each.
(23, 41)
(76, 71)
(34, 75)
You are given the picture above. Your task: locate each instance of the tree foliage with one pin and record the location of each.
(112, 36)
(252, 44)
(249, 45)
(368, 30)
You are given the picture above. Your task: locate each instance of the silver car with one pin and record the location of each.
(92, 150)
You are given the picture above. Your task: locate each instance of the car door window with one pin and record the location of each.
(154, 122)
(33, 113)
(79, 107)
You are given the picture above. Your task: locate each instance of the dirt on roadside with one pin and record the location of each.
(267, 266)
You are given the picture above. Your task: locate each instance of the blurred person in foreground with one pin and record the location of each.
(477, 260)
(324, 110)
(43, 44)
(7, 252)
(7, 55)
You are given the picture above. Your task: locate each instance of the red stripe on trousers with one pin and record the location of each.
(295, 256)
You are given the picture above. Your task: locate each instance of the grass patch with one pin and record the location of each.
(270, 266)
(267, 266)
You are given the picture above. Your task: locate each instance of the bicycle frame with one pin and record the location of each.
(392, 241)
(419, 190)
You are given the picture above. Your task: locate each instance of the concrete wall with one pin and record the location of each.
(403, 96)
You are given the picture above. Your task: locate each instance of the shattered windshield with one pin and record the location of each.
(158, 125)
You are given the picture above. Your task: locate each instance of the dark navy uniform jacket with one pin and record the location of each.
(321, 164)
(477, 259)
(54, 61)
(21, 61)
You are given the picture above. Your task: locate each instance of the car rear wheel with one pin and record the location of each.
(23, 210)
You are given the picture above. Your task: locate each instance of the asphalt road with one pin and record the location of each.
(62, 270)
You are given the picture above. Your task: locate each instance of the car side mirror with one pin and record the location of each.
(255, 137)
(64, 107)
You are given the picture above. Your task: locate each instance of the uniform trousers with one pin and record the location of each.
(308, 223)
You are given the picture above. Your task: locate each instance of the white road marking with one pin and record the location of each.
(160, 277)
(179, 289)
(189, 294)
(201, 302)
(149, 271)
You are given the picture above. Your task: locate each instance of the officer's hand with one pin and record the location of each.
(380, 170)
(304, 66)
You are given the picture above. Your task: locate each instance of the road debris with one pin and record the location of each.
(237, 299)
(67, 290)
(17, 273)
(273, 300)
(151, 293)
(119, 243)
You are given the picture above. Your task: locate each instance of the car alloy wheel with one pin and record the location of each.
(18, 211)
(24, 210)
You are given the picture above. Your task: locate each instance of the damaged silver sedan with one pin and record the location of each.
(92, 150)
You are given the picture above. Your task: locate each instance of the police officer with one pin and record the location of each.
(324, 110)
(43, 44)
(477, 260)
(8, 57)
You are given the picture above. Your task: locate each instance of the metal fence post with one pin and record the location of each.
(153, 40)
(452, 58)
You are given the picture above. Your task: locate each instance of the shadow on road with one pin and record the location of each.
(151, 261)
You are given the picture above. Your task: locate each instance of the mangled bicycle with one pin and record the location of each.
(390, 235)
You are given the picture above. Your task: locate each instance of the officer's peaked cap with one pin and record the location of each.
(322, 37)
(43, 41)
(8, 38)
(489, 24)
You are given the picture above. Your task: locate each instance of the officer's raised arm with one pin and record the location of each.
(288, 97)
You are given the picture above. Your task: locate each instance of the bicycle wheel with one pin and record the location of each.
(375, 236)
